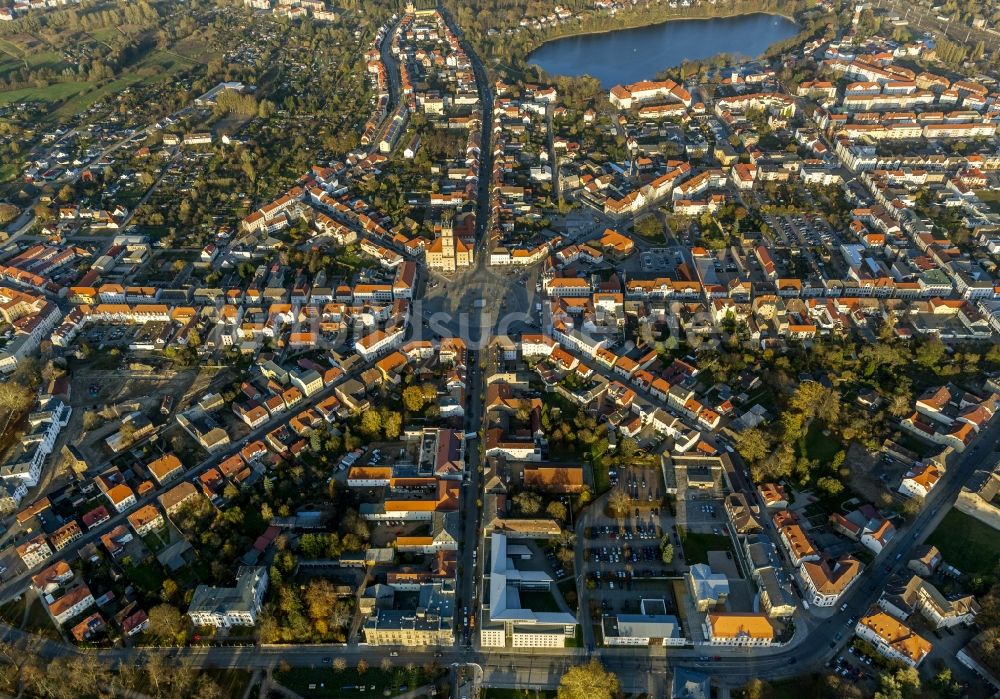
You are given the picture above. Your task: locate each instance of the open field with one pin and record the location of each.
(71, 98)
(967, 544)
(50, 94)
(696, 546)
(820, 446)
(991, 198)
(327, 682)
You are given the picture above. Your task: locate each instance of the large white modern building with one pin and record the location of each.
(505, 622)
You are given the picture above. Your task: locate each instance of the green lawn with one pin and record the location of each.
(148, 576)
(156, 540)
(820, 446)
(991, 198)
(696, 546)
(159, 66)
(967, 544)
(75, 97)
(9, 171)
(539, 601)
(39, 621)
(327, 682)
(565, 587)
(602, 482)
(49, 94)
(13, 612)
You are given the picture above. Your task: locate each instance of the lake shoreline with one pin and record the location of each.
(658, 22)
(535, 47)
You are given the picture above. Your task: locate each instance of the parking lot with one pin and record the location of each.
(660, 259)
(644, 486)
(624, 566)
(622, 556)
(706, 515)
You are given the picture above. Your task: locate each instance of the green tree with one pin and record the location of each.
(830, 485)
(371, 423)
(556, 510)
(528, 503)
(165, 623)
(413, 399)
(753, 445)
(393, 424)
(627, 448)
(590, 681)
(667, 551)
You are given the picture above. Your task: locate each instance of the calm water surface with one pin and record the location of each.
(628, 55)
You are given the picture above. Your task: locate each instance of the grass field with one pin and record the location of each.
(159, 66)
(539, 601)
(696, 546)
(39, 622)
(232, 682)
(967, 544)
(602, 481)
(74, 97)
(820, 446)
(327, 682)
(991, 198)
(16, 56)
(50, 94)
(148, 576)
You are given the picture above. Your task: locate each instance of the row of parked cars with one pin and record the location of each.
(626, 533)
(622, 554)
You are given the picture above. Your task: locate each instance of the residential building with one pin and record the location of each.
(893, 639)
(166, 468)
(145, 520)
(428, 623)
(76, 601)
(230, 606)
(825, 582)
(34, 551)
(121, 497)
(733, 629)
(708, 589)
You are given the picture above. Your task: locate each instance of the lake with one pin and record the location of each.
(629, 55)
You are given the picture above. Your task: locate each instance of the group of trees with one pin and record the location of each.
(416, 398)
(377, 423)
(895, 369)
(309, 612)
(75, 676)
(892, 682)
(531, 504)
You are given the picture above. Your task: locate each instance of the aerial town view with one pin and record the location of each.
(500, 349)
